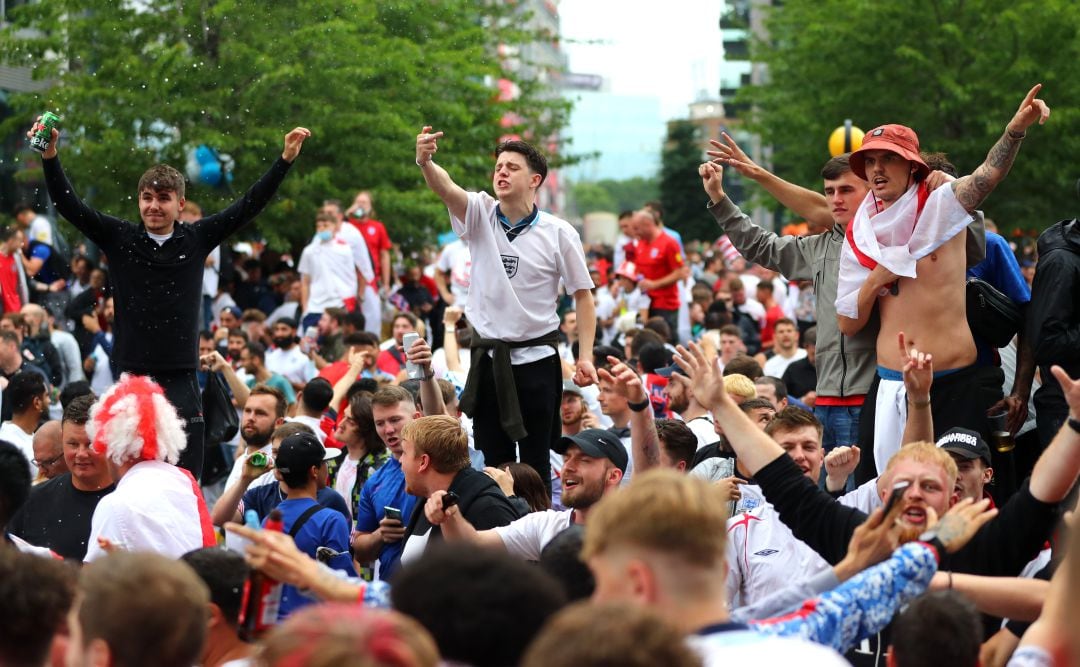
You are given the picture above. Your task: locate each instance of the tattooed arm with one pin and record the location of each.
(971, 190)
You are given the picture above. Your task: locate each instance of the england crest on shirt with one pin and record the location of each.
(510, 264)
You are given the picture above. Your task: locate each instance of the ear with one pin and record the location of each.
(681, 467)
(279, 421)
(642, 581)
(425, 463)
(214, 617)
(988, 475)
(534, 181)
(181, 203)
(614, 477)
(954, 498)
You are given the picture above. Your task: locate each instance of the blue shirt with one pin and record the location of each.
(323, 529)
(264, 498)
(1001, 270)
(385, 488)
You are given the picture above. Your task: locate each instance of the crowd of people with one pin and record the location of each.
(856, 445)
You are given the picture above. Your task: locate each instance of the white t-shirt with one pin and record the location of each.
(154, 508)
(763, 555)
(361, 257)
(456, 260)
(41, 230)
(331, 270)
(292, 364)
(514, 287)
(24, 441)
(726, 647)
(527, 537)
(346, 478)
(777, 364)
(702, 427)
(313, 423)
(211, 273)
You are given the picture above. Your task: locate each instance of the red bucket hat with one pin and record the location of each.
(896, 138)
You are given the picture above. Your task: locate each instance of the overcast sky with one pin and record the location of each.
(670, 49)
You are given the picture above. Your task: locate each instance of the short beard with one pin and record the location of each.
(258, 439)
(584, 498)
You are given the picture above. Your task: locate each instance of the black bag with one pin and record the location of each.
(992, 316)
(222, 423)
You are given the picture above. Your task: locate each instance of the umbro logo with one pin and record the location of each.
(766, 552)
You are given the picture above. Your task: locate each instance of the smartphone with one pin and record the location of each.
(406, 342)
(392, 513)
(898, 490)
(449, 500)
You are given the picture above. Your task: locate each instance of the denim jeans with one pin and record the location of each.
(841, 425)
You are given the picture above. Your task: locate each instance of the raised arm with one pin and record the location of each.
(971, 190)
(918, 376)
(450, 346)
(430, 394)
(805, 203)
(644, 442)
(215, 363)
(455, 198)
(1056, 470)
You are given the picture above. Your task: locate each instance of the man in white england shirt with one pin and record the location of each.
(521, 258)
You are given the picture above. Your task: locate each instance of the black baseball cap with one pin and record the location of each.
(966, 443)
(668, 371)
(597, 443)
(301, 451)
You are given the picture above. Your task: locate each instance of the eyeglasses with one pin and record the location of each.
(47, 462)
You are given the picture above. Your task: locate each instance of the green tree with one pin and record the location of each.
(139, 82)
(591, 197)
(632, 192)
(954, 70)
(680, 189)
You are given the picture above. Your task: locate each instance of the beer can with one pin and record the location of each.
(43, 131)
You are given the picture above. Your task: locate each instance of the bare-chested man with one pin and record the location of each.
(882, 258)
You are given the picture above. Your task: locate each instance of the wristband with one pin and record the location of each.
(1074, 424)
(1016, 135)
(422, 165)
(428, 376)
(639, 407)
(919, 404)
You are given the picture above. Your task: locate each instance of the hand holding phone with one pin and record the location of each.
(897, 493)
(392, 513)
(449, 500)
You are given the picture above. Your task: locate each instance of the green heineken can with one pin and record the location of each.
(43, 131)
(259, 460)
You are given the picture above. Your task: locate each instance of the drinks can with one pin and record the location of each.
(43, 131)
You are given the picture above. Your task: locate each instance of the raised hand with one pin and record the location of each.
(1031, 109)
(705, 379)
(626, 382)
(712, 176)
(918, 371)
(961, 522)
(585, 373)
(729, 153)
(293, 141)
(426, 145)
(50, 152)
(1071, 389)
(839, 464)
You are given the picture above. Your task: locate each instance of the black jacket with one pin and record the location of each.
(1001, 548)
(482, 503)
(158, 289)
(1054, 313)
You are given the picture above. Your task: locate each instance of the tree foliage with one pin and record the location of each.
(140, 81)
(954, 70)
(612, 195)
(680, 189)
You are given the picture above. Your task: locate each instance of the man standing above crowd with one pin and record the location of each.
(521, 256)
(58, 512)
(327, 271)
(845, 365)
(901, 231)
(156, 273)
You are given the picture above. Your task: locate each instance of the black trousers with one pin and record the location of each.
(182, 389)
(539, 389)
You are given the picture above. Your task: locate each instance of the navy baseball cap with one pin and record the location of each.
(668, 371)
(301, 451)
(965, 443)
(597, 443)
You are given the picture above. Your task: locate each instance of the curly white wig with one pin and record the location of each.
(133, 421)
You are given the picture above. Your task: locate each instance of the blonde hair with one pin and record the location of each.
(665, 511)
(924, 452)
(737, 384)
(442, 439)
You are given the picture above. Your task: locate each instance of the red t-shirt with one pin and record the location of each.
(771, 316)
(377, 240)
(656, 259)
(9, 284)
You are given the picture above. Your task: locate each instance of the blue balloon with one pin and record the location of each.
(210, 174)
